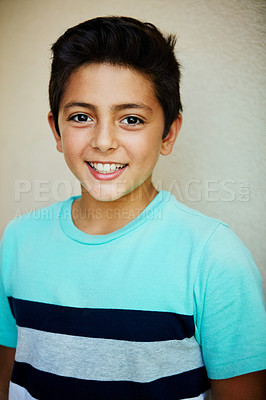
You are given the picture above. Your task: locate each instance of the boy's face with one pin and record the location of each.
(111, 126)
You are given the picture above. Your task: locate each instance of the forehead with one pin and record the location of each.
(106, 84)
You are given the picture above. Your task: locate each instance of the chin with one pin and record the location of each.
(105, 194)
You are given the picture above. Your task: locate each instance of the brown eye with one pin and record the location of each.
(132, 120)
(80, 118)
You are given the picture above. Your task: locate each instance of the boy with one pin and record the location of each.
(123, 292)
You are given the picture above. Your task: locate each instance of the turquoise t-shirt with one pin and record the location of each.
(152, 310)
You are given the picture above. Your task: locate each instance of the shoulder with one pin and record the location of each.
(34, 222)
(218, 248)
(189, 222)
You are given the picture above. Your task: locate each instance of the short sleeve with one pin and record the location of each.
(8, 329)
(230, 313)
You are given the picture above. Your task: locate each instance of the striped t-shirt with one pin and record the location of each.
(151, 311)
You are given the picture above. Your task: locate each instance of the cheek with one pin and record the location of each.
(72, 144)
(146, 153)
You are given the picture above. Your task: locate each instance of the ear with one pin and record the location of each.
(57, 137)
(169, 140)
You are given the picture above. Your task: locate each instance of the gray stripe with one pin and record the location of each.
(203, 396)
(17, 392)
(106, 359)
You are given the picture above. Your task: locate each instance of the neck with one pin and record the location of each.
(102, 217)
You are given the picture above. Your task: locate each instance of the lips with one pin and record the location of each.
(106, 171)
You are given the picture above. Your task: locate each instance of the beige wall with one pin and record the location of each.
(218, 165)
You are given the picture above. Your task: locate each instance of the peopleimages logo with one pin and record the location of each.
(211, 190)
(45, 190)
(193, 190)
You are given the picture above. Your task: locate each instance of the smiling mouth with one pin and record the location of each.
(106, 168)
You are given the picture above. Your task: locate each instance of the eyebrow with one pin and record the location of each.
(125, 106)
(114, 108)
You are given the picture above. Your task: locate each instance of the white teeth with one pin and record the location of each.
(106, 168)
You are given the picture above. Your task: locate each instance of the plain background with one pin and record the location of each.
(218, 165)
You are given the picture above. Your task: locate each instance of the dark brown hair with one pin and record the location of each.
(120, 41)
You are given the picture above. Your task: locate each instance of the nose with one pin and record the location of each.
(104, 137)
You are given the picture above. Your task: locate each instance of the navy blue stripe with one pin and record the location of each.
(130, 325)
(43, 386)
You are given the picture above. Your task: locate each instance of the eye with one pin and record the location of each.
(80, 118)
(132, 120)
